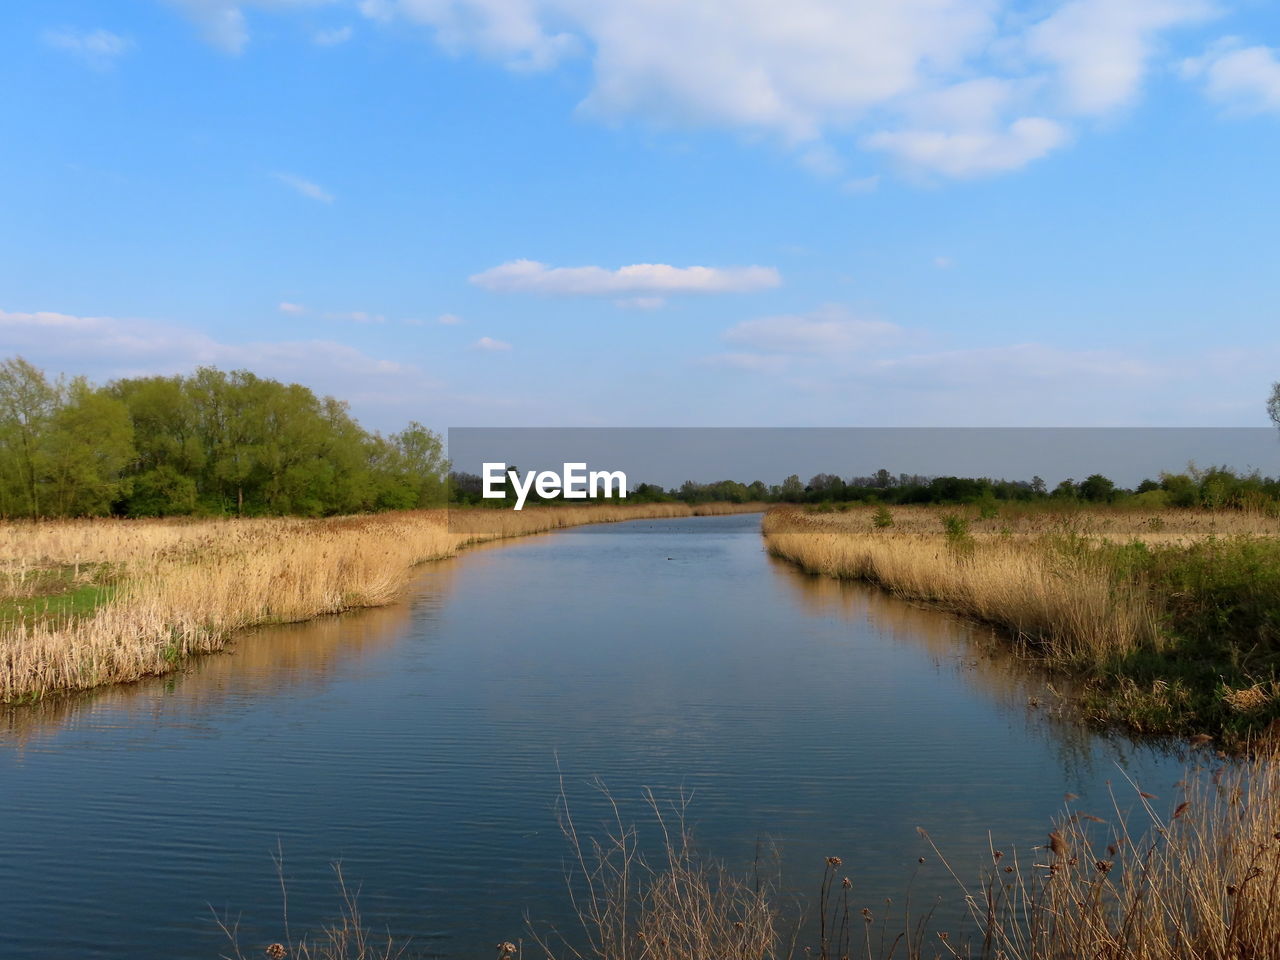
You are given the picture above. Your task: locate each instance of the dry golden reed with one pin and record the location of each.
(184, 587)
(1198, 879)
(1068, 602)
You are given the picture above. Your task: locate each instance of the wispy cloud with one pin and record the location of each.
(294, 308)
(641, 303)
(100, 49)
(1246, 79)
(356, 316)
(808, 71)
(831, 329)
(331, 38)
(223, 22)
(530, 276)
(971, 153)
(306, 188)
(861, 185)
(490, 344)
(106, 346)
(449, 319)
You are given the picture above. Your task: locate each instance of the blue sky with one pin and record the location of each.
(705, 212)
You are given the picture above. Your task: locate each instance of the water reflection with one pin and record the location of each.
(423, 744)
(985, 660)
(264, 662)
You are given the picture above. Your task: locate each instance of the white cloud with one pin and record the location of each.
(641, 303)
(507, 30)
(294, 308)
(449, 319)
(861, 185)
(1101, 48)
(830, 330)
(305, 187)
(98, 48)
(877, 373)
(1239, 77)
(113, 347)
(1025, 362)
(989, 83)
(770, 363)
(975, 86)
(222, 22)
(488, 343)
(529, 276)
(971, 153)
(331, 38)
(356, 316)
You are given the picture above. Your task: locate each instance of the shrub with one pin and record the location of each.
(956, 530)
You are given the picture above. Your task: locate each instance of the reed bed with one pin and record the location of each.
(1069, 604)
(1172, 618)
(173, 589)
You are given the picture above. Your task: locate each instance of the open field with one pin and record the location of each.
(88, 602)
(1173, 617)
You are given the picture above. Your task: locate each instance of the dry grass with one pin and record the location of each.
(1033, 520)
(677, 906)
(179, 588)
(1193, 877)
(1172, 618)
(999, 571)
(1199, 881)
(347, 938)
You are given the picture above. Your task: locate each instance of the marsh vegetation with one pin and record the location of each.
(1172, 617)
(88, 602)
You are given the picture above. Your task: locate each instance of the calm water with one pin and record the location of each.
(418, 744)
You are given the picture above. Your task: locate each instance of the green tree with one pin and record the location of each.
(89, 443)
(27, 405)
(1097, 489)
(424, 464)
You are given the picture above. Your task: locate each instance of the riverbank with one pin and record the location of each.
(90, 602)
(1171, 618)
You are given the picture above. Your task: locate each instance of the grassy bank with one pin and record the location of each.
(1172, 619)
(90, 602)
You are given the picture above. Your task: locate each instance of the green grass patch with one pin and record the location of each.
(54, 594)
(1217, 667)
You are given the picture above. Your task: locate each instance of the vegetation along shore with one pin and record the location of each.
(1170, 617)
(90, 602)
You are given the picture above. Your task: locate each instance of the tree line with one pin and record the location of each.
(213, 442)
(234, 443)
(1214, 487)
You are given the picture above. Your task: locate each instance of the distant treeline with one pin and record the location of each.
(218, 443)
(1214, 487)
(210, 443)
